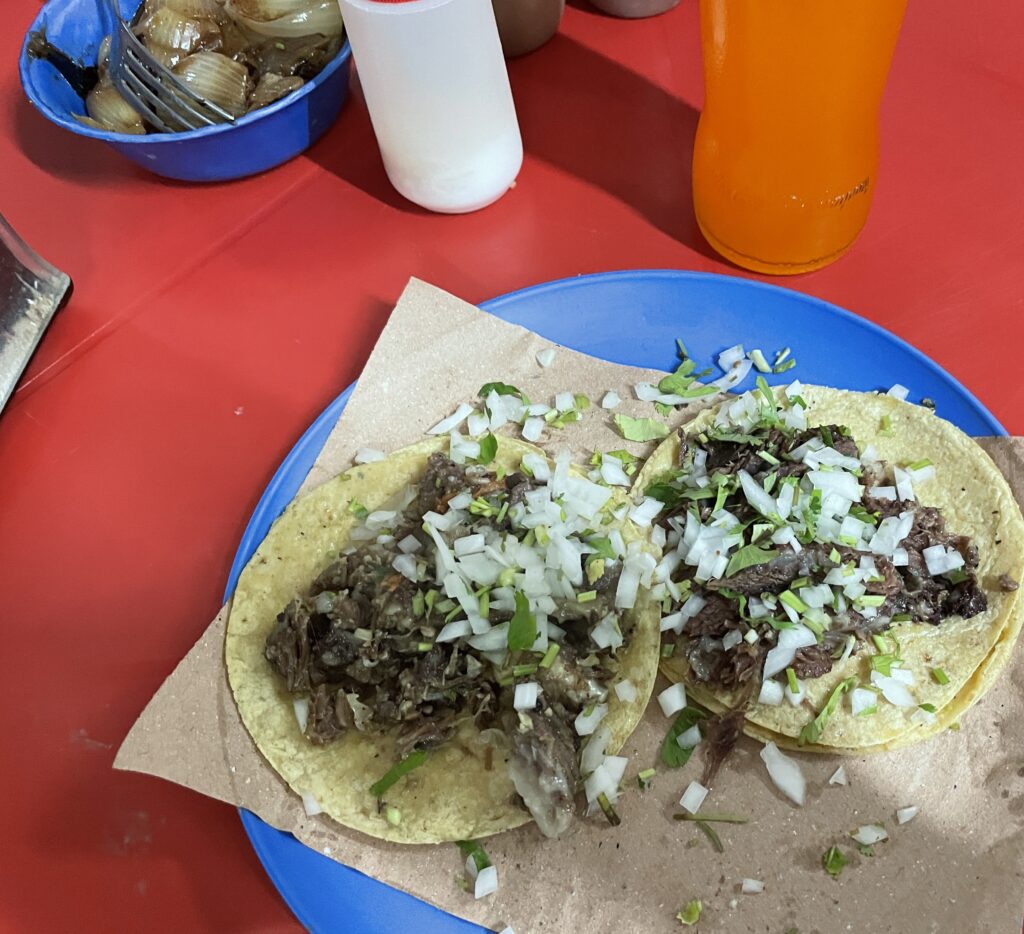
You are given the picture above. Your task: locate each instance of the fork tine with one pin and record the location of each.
(149, 104)
(139, 56)
(156, 90)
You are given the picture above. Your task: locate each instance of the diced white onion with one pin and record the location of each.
(565, 401)
(368, 456)
(771, 693)
(735, 376)
(409, 545)
(301, 707)
(941, 560)
(756, 495)
(586, 723)
(406, 566)
(782, 655)
(752, 886)
(905, 814)
(894, 691)
(310, 805)
(672, 699)
(646, 511)
(673, 621)
(546, 356)
(533, 428)
(689, 739)
(610, 400)
(838, 776)
(729, 357)
(486, 882)
(785, 773)
(477, 424)
(594, 749)
(606, 634)
(862, 699)
(456, 418)
(898, 392)
(693, 797)
(904, 485)
(732, 638)
(526, 695)
(870, 834)
(625, 691)
(613, 472)
(795, 698)
(456, 629)
(469, 544)
(882, 492)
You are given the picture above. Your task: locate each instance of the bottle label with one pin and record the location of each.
(838, 201)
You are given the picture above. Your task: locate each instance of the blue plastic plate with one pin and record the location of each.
(626, 317)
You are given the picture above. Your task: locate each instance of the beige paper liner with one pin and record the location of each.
(957, 867)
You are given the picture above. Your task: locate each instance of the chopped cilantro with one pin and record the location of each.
(794, 685)
(833, 860)
(672, 754)
(470, 848)
(522, 628)
(550, 655)
(502, 389)
(749, 556)
(811, 733)
(488, 448)
(644, 779)
(690, 912)
(640, 429)
(928, 708)
(358, 510)
(940, 676)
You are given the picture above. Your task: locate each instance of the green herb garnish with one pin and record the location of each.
(749, 556)
(794, 685)
(834, 861)
(502, 389)
(522, 628)
(488, 448)
(550, 655)
(640, 429)
(940, 676)
(398, 771)
(644, 779)
(609, 811)
(811, 733)
(690, 913)
(470, 848)
(672, 754)
(358, 510)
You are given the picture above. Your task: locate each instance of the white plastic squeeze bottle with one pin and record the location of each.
(437, 89)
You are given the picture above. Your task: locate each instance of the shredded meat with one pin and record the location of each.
(812, 661)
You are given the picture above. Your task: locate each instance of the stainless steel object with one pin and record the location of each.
(157, 94)
(31, 291)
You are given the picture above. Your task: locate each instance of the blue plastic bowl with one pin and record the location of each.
(255, 142)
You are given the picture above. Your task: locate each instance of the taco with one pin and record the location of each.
(429, 650)
(840, 569)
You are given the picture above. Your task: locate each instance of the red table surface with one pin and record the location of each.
(210, 325)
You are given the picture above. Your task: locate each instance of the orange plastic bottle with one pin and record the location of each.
(786, 154)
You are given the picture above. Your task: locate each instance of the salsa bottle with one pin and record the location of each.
(436, 86)
(786, 156)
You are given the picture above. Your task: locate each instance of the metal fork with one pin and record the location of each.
(158, 95)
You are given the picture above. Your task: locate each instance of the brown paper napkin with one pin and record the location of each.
(957, 867)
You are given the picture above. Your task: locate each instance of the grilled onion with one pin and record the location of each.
(111, 111)
(173, 30)
(216, 78)
(287, 18)
(272, 88)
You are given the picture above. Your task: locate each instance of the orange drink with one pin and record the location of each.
(786, 155)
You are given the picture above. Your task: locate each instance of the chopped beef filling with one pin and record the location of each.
(772, 525)
(909, 591)
(361, 644)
